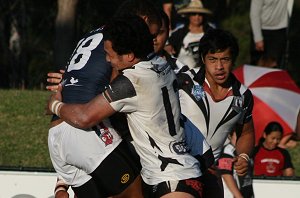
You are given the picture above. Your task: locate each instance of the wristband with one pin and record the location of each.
(55, 107)
(244, 156)
(60, 188)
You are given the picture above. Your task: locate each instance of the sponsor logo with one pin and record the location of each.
(125, 178)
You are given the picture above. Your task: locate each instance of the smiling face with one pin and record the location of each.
(272, 139)
(218, 67)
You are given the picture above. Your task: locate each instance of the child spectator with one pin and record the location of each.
(269, 159)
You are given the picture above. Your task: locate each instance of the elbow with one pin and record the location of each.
(84, 122)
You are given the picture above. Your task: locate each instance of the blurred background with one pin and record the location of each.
(38, 36)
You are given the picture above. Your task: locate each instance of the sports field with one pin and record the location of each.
(24, 130)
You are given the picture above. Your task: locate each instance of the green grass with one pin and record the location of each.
(24, 130)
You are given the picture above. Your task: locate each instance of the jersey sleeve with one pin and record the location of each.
(248, 106)
(287, 159)
(121, 95)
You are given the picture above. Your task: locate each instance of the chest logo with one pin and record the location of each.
(198, 92)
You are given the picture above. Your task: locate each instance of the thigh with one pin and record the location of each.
(116, 172)
(89, 189)
(192, 187)
(212, 185)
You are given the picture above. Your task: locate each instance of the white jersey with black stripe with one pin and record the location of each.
(215, 119)
(148, 93)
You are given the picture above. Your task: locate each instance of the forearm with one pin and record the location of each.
(231, 185)
(84, 115)
(245, 142)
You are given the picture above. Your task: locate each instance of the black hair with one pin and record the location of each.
(272, 126)
(217, 40)
(129, 34)
(140, 8)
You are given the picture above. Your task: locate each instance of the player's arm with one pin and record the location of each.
(81, 115)
(244, 146)
(231, 185)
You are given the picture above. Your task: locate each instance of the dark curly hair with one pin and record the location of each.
(129, 34)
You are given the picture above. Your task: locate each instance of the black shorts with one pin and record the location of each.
(112, 176)
(192, 186)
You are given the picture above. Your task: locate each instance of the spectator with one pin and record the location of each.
(269, 23)
(234, 185)
(183, 43)
(269, 159)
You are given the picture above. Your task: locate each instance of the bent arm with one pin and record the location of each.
(86, 115)
(244, 145)
(245, 142)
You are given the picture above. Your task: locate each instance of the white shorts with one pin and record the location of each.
(75, 153)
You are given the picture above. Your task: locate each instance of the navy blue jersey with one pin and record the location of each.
(87, 72)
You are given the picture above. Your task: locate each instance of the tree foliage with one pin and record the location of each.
(32, 44)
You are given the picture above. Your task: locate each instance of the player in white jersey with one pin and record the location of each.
(147, 92)
(216, 102)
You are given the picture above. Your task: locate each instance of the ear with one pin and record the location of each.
(130, 57)
(265, 135)
(145, 18)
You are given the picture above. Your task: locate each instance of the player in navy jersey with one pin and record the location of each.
(217, 103)
(81, 157)
(146, 92)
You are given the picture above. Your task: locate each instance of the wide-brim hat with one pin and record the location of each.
(195, 6)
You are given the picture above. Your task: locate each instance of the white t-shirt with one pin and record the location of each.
(188, 54)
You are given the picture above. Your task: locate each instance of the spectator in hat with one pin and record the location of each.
(183, 42)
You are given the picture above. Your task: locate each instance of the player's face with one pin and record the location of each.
(272, 140)
(218, 67)
(116, 61)
(161, 39)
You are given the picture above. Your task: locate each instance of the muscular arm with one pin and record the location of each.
(244, 144)
(84, 115)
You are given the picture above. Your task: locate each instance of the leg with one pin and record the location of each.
(212, 184)
(89, 189)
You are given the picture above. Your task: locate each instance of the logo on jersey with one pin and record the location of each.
(198, 92)
(179, 147)
(106, 136)
(125, 178)
(237, 104)
(73, 82)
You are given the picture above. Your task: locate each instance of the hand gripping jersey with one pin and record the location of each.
(76, 152)
(225, 166)
(215, 119)
(148, 94)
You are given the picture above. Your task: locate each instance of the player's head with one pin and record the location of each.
(218, 40)
(143, 8)
(126, 40)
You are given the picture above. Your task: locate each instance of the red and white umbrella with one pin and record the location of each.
(276, 97)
